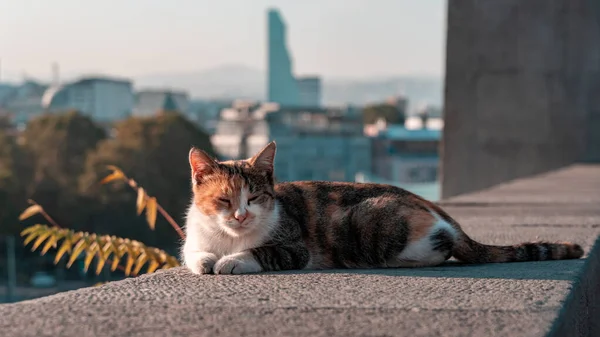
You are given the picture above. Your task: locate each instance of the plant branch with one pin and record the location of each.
(55, 224)
(44, 214)
(170, 220)
(134, 185)
(50, 220)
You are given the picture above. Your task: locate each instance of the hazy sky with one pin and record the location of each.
(334, 38)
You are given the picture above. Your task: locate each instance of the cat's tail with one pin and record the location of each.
(470, 251)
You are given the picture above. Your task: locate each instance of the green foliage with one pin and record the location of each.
(61, 161)
(11, 161)
(386, 111)
(5, 123)
(104, 248)
(153, 150)
(58, 145)
(14, 175)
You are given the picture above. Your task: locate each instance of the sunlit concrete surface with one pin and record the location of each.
(517, 299)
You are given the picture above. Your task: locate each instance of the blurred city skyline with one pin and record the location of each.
(334, 39)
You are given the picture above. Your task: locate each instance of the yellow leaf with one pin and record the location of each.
(33, 234)
(107, 248)
(51, 242)
(117, 251)
(76, 236)
(30, 229)
(113, 168)
(130, 261)
(104, 252)
(104, 247)
(162, 256)
(119, 247)
(120, 251)
(131, 248)
(66, 245)
(87, 261)
(100, 265)
(79, 247)
(30, 211)
(41, 239)
(115, 264)
(141, 200)
(172, 261)
(151, 212)
(140, 262)
(152, 267)
(90, 252)
(116, 175)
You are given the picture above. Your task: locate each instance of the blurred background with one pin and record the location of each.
(136, 83)
(351, 90)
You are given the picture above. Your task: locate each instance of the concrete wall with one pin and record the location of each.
(522, 92)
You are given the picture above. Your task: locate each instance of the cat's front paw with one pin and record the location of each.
(200, 262)
(239, 263)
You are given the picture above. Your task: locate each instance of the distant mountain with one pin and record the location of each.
(228, 81)
(419, 90)
(238, 81)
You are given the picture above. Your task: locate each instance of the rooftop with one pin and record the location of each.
(513, 299)
(57, 96)
(397, 132)
(161, 91)
(101, 78)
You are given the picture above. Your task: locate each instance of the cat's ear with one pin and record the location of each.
(201, 163)
(265, 158)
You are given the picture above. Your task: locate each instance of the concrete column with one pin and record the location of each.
(522, 91)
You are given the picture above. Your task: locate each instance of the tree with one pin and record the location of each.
(153, 150)
(386, 111)
(5, 123)
(147, 147)
(58, 145)
(14, 175)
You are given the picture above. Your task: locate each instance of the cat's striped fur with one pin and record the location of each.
(241, 222)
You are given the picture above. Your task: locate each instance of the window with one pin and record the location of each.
(422, 174)
(414, 173)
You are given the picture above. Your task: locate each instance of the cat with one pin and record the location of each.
(240, 221)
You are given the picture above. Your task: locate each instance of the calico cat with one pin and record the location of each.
(240, 222)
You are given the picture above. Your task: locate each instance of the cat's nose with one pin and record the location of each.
(239, 216)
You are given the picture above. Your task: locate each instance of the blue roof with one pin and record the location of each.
(402, 133)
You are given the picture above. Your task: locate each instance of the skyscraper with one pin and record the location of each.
(309, 89)
(282, 86)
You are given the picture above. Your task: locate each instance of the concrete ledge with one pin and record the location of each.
(517, 299)
(581, 312)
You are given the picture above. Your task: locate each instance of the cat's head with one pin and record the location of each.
(237, 195)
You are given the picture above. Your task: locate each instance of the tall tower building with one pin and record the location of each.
(282, 86)
(309, 89)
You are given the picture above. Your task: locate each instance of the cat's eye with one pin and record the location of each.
(223, 200)
(254, 198)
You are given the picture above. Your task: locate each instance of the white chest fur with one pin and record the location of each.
(203, 234)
